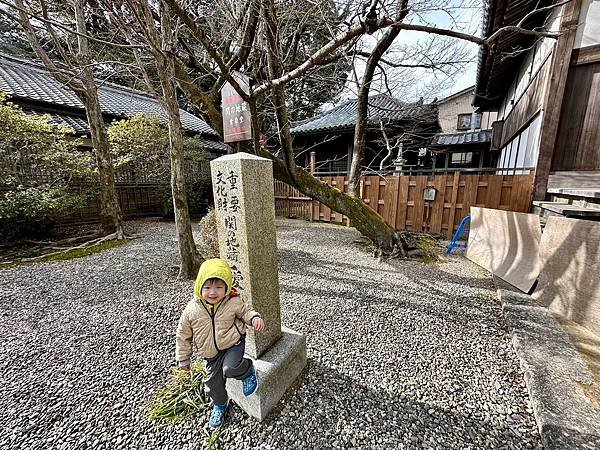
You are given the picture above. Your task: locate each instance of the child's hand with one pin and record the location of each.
(186, 368)
(258, 324)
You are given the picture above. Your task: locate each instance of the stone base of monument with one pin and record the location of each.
(277, 369)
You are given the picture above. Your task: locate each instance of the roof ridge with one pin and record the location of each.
(456, 94)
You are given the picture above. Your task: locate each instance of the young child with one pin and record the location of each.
(214, 324)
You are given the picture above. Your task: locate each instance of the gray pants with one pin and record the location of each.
(229, 363)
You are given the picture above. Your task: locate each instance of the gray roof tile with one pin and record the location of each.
(27, 80)
(462, 138)
(79, 124)
(380, 107)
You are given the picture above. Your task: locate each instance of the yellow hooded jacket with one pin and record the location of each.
(208, 329)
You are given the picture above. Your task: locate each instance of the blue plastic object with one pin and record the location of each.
(459, 232)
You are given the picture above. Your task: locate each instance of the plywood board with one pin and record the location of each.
(507, 244)
(569, 282)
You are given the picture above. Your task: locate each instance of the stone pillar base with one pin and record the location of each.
(276, 370)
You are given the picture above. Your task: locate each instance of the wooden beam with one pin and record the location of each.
(586, 55)
(555, 89)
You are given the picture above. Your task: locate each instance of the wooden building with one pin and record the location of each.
(31, 87)
(548, 100)
(331, 135)
(464, 142)
(141, 192)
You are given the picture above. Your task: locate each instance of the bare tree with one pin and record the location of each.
(74, 71)
(158, 30)
(369, 19)
(360, 130)
(211, 45)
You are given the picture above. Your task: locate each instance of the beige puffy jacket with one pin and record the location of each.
(205, 332)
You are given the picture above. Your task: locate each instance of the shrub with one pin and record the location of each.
(140, 150)
(209, 240)
(43, 170)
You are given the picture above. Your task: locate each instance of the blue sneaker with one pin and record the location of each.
(250, 383)
(217, 415)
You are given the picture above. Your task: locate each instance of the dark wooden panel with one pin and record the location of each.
(554, 95)
(578, 140)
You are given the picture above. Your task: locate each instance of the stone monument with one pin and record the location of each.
(245, 212)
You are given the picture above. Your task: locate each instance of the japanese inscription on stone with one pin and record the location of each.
(227, 202)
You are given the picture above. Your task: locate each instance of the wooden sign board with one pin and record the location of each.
(506, 243)
(569, 282)
(237, 122)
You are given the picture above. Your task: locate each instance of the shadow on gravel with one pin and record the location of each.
(430, 272)
(355, 283)
(348, 414)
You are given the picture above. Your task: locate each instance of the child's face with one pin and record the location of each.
(213, 291)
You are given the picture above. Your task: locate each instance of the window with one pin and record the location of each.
(464, 122)
(461, 158)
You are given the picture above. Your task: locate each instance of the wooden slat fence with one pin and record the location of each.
(399, 199)
(136, 200)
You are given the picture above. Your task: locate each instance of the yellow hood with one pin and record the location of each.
(213, 268)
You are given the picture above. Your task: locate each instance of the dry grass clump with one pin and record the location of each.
(209, 240)
(182, 397)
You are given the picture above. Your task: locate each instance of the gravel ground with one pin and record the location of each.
(401, 354)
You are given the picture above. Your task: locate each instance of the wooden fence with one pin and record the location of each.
(136, 200)
(399, 199)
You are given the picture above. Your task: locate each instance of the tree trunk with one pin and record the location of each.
(190, 258)
(362, 107)
(110, 211)
(81, 80)
(385, 237)
(363, 218)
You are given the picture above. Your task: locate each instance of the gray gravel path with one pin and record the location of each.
(401, 354)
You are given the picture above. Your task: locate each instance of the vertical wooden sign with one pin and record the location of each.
(237, 123)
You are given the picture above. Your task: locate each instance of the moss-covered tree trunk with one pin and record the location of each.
(363, 218)
(384, 236)
(110, 210)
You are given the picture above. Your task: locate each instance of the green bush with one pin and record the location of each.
(140, 150)
(43, 170)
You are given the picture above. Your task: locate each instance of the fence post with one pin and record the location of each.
(455, 186)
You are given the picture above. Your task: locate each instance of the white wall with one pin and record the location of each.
(588, 31)
(522, 150)
(448, 111)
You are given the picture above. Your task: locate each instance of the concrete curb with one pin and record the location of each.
(553, 372)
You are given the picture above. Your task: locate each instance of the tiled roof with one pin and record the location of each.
(27, 80)
(462, 138)
(80, 126)
(380, 107)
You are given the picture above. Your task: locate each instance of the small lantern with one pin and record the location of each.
(429, 194)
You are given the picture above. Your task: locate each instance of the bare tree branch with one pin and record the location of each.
(18, 5)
